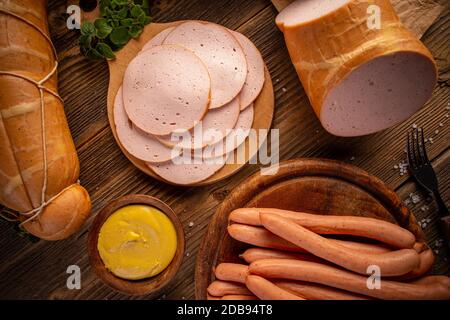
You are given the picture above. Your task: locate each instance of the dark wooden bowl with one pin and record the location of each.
(309, 185)
(153, 286)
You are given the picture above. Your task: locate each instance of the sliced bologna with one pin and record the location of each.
(158, 39)
(213, 128)
(185, 174)
(235, 138)
(221, 53)
(359, 79)
(255, 71)
(138, 143)
(166, 88)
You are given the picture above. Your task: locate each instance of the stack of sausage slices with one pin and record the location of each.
(191, 88)
(293, 256)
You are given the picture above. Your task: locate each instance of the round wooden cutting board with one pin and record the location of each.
(309, 185)
(263, 106)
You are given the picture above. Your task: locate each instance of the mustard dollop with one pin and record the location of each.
(137, 242)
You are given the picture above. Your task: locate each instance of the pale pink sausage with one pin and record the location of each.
(166, 88)
(185, 173)
(137, 142)
(220, 52)
(234, 138)
(210, 130)
(158, 39)
(255, 74)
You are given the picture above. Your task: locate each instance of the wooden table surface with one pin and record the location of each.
(38, 270)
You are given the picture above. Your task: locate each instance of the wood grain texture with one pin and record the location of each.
(304, 185)
(263, 106)
(39, 270)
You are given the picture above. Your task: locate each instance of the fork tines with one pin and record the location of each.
(417, 153)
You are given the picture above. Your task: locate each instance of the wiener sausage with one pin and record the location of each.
(210, 297)
(266, 290)
(346, 280)
(312, 291)
(239, 297)
(426, 262)
(261, 237)
(376, 229)
(220, 288)
(255, 254)
(392, 263)
(231, 272)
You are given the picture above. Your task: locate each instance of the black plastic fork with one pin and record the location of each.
(422, 170)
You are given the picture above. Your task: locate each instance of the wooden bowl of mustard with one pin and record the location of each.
(136, 245)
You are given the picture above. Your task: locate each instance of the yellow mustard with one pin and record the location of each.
(137, 242)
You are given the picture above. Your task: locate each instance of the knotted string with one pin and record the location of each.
(34, 213)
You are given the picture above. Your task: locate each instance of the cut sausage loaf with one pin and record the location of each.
(255, 71)
(345, 280)
(158, 39)
(376, 229)
(166, 88)
(220, 52)
(360, 77)
(138, 143)
(391, 263)
(38, 161)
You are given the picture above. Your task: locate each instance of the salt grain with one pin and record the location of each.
(414, 126)
(191, 224)
(284, 89)
(415, 198)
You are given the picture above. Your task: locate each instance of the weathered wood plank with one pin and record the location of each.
(107, 174)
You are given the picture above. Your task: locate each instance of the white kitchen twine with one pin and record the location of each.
(34, 213)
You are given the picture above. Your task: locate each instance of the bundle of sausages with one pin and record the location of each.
(195, 82)
(39, 165)
(293, 260)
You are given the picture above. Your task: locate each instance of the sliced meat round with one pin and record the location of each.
(212, 128)
(166, 88)
(221, 53)
(138, 143)
(234, 138)
(177, 172)
(255, 70)
(158, 39)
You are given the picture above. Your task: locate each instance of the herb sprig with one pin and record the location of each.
(120, 21)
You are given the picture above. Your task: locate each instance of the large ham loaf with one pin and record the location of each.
(359, 78)
(38, 162)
